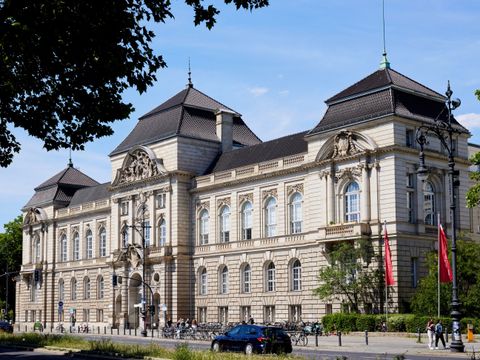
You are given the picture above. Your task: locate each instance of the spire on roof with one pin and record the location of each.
(384, 64)
(70, 162)
(190, 84)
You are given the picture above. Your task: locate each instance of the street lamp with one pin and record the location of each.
(444, 131)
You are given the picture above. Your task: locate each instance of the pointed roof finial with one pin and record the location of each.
(190, 84)
(70, 162)
(384, 64)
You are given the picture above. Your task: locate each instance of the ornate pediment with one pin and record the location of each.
(34, 215)
(139, 164)
(344, 144)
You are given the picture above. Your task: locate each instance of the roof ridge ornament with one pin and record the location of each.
(190, 84)
(384, 64)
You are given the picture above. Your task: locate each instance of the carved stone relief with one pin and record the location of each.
(267, 193)
(344, 144)
(245, 197)
(348, 172)
(222, 202)
(295, 188)
(138, 166)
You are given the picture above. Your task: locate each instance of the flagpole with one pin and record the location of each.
(386, 284)
(438, 265)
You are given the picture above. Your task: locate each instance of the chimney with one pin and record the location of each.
(224, 129)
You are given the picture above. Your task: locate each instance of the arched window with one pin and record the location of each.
(296, 216)
(73, 289)
(86, 288)
(247, 279)
(224, 280)
(429, 206)
(103, 242)
(270, 277)
(271, 217)
(100, 288)
(63, 248)
(203, 282)
(204, 227)
(76, 246)
(296, 276)
(225, 224)
(124, 243)
(36, 249)
(162, 233)
(247, 210)
(61, 290)
(89, 238)
(352, 202)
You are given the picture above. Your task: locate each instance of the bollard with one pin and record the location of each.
(339, 333)
(111, 330)
(420, 336)
(124, 330)
(316, 339)
(446, 335)
(130, 331)
(135, 331)
(366, 337)
(104, 330)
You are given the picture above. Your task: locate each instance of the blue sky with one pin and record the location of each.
(277, 65)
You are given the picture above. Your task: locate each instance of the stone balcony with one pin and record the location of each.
(277, 241)
(344, 231)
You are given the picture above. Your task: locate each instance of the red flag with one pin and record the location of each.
(389, 280)
(444, 264)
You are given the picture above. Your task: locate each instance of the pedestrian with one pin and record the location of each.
(430, 333)
(439, 334)
(251, 321)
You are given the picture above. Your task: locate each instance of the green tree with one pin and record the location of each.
(473, 194)
(11, 259)
(468, 281)
(65, 64)
(347, 279)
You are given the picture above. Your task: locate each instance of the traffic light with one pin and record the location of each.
(114, 280)
(36, 275)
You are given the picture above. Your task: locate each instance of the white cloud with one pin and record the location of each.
(470, 120)
(258, 91)
(283, 92)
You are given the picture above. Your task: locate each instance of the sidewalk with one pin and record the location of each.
(388, 343)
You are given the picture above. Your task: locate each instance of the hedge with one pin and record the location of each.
(409, 323)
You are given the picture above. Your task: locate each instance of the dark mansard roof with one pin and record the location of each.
(60, 188)
(384, 92)
(189, 113)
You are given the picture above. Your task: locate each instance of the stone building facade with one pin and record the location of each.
(221, 226)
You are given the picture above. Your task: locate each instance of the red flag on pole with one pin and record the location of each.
(444, 265)
(389, 280)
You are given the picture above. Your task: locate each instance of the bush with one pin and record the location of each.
(366, 322)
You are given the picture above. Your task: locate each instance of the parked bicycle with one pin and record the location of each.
(60, 328)
(299, 338)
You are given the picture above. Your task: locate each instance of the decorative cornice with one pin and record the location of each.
(349, 172)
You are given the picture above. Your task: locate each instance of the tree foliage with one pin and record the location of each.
(468, 282)
(347, 279)
(65, 64)
(473, 194)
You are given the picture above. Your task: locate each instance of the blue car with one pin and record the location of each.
(253, 339)
(5, 326)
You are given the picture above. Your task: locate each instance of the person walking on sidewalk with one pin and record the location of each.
(439, 334)
(430, 333)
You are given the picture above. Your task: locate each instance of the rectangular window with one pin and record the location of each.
(161, 201)
(202, 314)
(410, 138)
(414, 271)
(33, 315)
(86, 315)
(146, 232)
(26, 315)
(269, 314)
(99, 315)
(410, 207)
(124, 208)
(245, 313)
(223, 314)
(410, 177)
(295, 313)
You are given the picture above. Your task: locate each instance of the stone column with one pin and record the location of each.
(123, 316)
(330, 198)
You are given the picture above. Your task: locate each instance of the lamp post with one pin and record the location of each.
(444, 131)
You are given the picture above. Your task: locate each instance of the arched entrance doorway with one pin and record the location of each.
(134, 300)
(118, 311)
